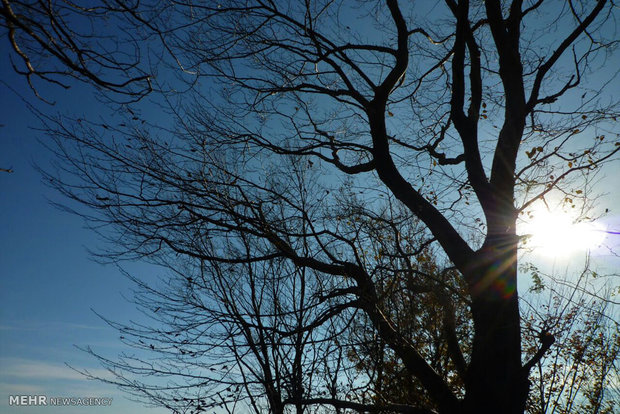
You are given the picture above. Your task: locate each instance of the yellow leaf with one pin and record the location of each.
(390, 114)
(570, 164)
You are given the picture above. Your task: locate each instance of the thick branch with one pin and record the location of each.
(457, 249)
(467, 125)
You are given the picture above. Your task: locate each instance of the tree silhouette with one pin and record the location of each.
(317, 154)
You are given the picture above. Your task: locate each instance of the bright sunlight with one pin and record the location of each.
(557, 234)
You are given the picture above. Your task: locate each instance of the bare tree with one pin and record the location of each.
(314, 133)
(49, 44)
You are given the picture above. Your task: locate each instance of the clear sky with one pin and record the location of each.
(49, 286)
(48, 283)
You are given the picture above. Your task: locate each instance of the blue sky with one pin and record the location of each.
(48, 283)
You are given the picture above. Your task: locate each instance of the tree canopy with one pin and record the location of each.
(335, 188)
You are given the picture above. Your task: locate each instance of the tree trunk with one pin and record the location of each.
(495, 380)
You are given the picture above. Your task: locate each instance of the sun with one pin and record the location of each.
(558, 234)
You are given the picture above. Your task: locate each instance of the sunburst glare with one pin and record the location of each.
(558, 234)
